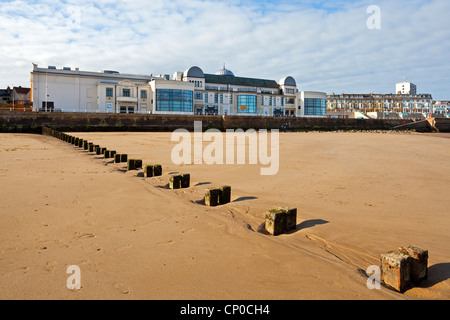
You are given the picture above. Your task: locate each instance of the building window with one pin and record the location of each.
(216, 97)
(246, 104)
(174, 100)
(144, 94)
(126, 93)
(198, 96)
(109, 92)
(315, 107)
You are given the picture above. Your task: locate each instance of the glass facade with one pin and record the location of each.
(174, 100)
(246, 104)
(315, 107)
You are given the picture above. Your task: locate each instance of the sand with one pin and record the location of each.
(358, 195)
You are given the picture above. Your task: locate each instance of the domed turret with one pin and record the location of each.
(288, 81)
(224, 72)
(194, 72)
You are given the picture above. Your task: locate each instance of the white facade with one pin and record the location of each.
(406, 88)
(312, 103)
(187, 93)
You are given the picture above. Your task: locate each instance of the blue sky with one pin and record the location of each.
(325, 45)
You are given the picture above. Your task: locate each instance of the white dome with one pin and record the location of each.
(224, 72)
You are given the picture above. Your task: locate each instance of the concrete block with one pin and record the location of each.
(185, 180)
(419, 263)
(157, 170)
(148, 171)
(175, 182)
(225, 195)
(212, 197)
(396, 270)
(275, 222)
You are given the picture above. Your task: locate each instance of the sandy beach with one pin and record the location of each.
(358, 195)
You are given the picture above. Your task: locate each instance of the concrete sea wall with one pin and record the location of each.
(32, 122)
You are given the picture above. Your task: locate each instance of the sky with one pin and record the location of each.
(329, 46)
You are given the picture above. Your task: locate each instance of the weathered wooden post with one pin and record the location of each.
(107, 154)
(275, 221)
(157, 170)
(175, 182)
(85, 145)
(91, 147)
(212, 196)
(98, 150)
(148, 171)
(134, 164)
(123, 158)
(185, 180)
(131, 165)
(291, 218)
(419, 263)
(102, 152)
(225, 195)
(396, 270)
(112, 154)
(117, 158)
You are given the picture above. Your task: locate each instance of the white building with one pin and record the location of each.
(312, 104)
(190, 92)
(406, 88)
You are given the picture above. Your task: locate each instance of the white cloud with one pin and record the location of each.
(324, 45)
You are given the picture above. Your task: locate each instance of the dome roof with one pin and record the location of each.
(288, 81)
(224, 72)
(194, 72)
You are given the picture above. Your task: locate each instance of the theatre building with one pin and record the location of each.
(190, 92)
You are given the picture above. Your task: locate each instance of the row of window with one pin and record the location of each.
(125, 93)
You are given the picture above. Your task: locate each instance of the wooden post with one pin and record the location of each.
(157, 170)
(175, 182)
(291, 218)
(107, 154)
(225, 195)
(123, 158)
(117, 158)
(419, 263)
(396, 270)
(275, 222)
(212, 197)
(185, 180)
(131, 165)
(148, 171)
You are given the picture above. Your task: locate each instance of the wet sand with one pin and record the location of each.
(358, 195)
